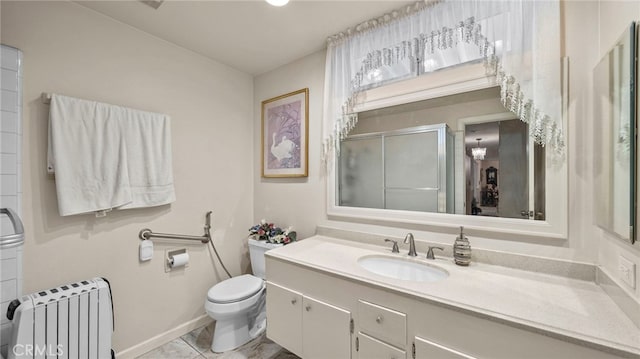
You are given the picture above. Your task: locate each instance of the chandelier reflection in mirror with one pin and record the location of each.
(478, 153)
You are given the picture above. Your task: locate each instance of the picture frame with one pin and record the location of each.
(285, 135)
(492, 176)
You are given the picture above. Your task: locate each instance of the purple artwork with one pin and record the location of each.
(283, 125)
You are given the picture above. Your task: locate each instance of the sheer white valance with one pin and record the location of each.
(519, 41)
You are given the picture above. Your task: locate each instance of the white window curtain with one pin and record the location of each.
(519, 41)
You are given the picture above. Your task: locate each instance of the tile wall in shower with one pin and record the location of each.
(10, 180)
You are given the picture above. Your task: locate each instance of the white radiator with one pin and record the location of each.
(73, 321)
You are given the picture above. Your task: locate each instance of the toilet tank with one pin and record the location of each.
(256, 252)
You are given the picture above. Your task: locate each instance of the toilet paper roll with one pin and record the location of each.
(179, 260)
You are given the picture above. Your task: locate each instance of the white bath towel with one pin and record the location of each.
(148, 139)
(107, 157)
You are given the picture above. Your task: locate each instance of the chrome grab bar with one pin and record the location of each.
(17, 238)
(146, 233)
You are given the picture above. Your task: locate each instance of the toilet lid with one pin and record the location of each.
(235, 289)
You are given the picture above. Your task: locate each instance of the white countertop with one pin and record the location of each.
(563, 307)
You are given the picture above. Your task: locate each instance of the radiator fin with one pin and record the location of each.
(73, 321)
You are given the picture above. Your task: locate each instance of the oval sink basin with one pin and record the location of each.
(403, 269)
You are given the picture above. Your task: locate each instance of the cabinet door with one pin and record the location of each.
(426, 349)
(371, 348)
(326, 331)
(284, 317)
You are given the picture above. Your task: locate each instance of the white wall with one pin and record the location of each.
(297, 202)
(75, 51)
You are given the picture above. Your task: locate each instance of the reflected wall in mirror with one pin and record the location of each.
(419, 157)
(503, 177)
(614, 138)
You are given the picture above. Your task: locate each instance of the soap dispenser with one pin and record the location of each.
(462, 249)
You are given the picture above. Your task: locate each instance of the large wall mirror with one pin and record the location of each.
(443, 150)
(615, 112)
(405, 157)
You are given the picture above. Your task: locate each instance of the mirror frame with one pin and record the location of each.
(448, 82)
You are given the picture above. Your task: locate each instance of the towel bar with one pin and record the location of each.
(146, 233)
(17, 238)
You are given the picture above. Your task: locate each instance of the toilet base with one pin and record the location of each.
(231, 334)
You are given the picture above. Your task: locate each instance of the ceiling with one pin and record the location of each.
(248, 35)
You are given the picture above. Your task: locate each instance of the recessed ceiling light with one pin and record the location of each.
(278, 2)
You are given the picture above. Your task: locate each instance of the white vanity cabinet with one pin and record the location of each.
(390, 324)
(305, 326)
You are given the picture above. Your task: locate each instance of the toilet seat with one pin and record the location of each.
(235, 289)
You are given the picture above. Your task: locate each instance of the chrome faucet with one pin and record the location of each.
(412, 245)
(395, 248)
(430, 252)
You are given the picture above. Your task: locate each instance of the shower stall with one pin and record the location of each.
(408, 169)
(11, 231)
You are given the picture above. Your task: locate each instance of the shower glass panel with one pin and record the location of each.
(406, 169)
(411, 181)
(361, 173)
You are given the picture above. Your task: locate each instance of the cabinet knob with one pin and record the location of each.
(294, 301)
(379, 319)
(308, 308)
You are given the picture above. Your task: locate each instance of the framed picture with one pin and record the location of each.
(492, 176)
(285, 134)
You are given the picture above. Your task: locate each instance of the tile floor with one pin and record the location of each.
(197, 344)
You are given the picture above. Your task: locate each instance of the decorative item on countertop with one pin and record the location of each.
(269, 232)
(462, 250)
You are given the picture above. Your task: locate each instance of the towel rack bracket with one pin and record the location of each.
(46, 98)
(145, 234)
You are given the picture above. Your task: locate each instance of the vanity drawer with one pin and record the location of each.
(383, 323)
(371, 348)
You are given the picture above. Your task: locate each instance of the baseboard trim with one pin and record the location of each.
(163, 338)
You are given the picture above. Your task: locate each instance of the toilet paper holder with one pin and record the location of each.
(171, 255)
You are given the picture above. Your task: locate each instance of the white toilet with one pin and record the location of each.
(238, 304)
